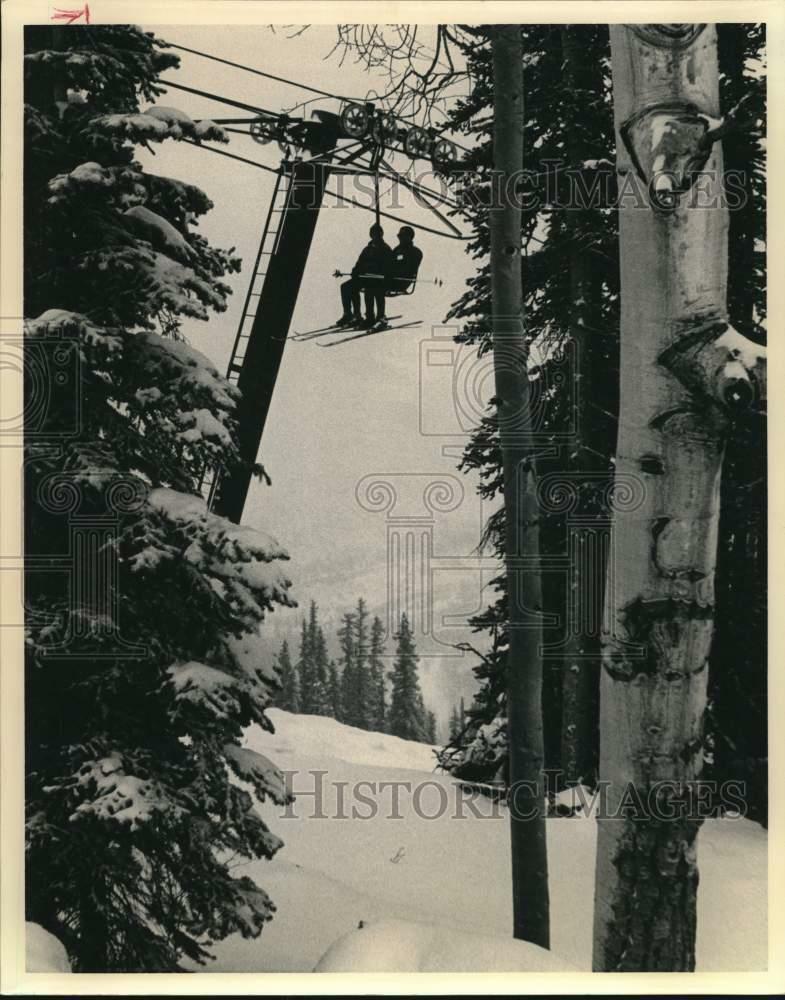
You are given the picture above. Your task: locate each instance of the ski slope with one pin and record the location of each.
(448, 875)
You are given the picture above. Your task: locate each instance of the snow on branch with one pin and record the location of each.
(184, 372)
(161, 390)
(168, 284)
(160, 232)
(257, 770)
(113, 794)
(236, 690)
(207, 687)
(719, 362)
(238, 562)
(243, 542)
(130, 186)
(158, 123)
(64, 323)
(252, 907)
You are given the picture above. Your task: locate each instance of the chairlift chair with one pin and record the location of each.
(407, 289)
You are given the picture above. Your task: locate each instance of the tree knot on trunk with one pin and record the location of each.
(713, 359)
(666, 143)
(665, 637)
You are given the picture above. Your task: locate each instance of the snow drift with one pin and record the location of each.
(43, 951)
(434, 893)
(397, 946)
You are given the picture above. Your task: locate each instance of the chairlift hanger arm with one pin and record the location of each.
(454, 235)
(363, 147)
(414, 186)
(392, 174)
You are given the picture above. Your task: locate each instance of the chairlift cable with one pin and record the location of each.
(233, 121)
(232, 156)
(279, 79)
(223, 100)
(260, 72)
(234, 131)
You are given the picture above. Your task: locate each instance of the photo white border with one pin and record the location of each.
(13, 977)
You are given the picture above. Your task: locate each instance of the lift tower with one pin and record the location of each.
(269, 305)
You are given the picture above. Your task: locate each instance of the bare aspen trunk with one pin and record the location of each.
(682, 370)
(524, 669)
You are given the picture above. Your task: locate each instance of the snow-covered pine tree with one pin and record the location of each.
(323, 697)
(430, 727)
(346, 641)
(453, 727)
(406, 717)
(585, 224)
(362, 674)
(289, 697)
(136, 697)
(376, 668)
(456, 723)
(356, 680)
(306, 674)
(312, 666)
(334, 689)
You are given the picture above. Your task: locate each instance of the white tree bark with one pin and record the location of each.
(683, 373)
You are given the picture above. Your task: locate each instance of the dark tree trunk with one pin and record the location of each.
(529, 855)
(586, 547)
(738, 668)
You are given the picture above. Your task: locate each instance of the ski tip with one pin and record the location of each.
(368, 333)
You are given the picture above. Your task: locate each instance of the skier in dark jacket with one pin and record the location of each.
(370, 274)
(406, 261)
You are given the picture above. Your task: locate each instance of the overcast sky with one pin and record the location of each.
(382, 406)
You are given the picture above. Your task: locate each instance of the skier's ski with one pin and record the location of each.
(368, 333)
(309, 334)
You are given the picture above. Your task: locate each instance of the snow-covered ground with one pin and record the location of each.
(43, 951)
(393, 863)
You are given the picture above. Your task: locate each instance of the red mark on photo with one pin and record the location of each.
(71, 15)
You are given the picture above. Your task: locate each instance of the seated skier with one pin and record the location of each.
(406, 261)
(370, 274)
